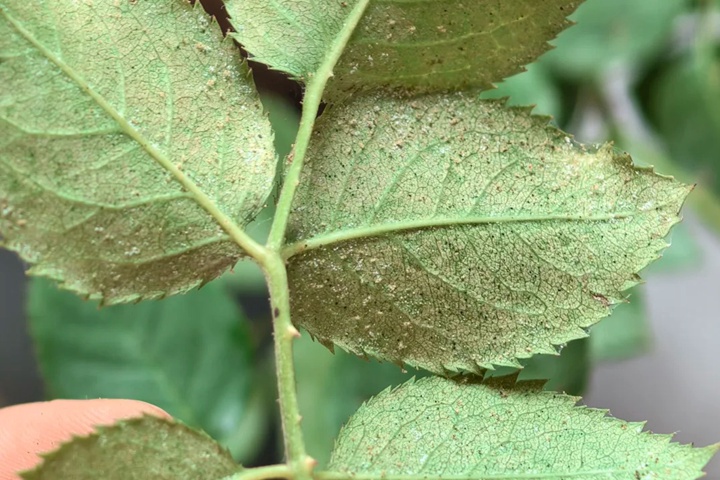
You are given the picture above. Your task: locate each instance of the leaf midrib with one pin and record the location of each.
(339, 236)
(224, 221)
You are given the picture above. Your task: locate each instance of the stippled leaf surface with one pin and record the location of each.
(191, 354)
(146, 447)
(453, 234)
(419, 45)
(101, 105)
(439, 428)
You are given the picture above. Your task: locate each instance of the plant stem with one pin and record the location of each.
(311, 104)
(263, 473)
(299, 462)
(284, 334)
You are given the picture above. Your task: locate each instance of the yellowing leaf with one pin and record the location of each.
(454, 234)
(109, 111)
(437, 428)
(421, 45)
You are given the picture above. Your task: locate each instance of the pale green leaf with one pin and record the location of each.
(420, 45)
(439, 428)
(191, 354)
(103, 106)
(453, 234)
(146, 447)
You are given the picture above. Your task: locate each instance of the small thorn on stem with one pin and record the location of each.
(293, 332)
(310, 463)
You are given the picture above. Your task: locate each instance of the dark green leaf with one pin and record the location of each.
(611, 32)
(332, 387)
(567, 372)
(624, 334)
(686, 104)
(190, 355)
(533, 87)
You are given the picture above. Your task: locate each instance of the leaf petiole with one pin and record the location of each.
(311, 104)
(262, 473)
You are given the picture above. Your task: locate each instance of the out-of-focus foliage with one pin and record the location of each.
(191, 355)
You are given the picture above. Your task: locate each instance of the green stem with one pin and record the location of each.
(311, 104)
(263, 473)
(273, 264)
(284, 334)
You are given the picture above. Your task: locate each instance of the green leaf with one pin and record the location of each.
(690, 90)
(123, 123)
(146, 447)
(685, 254)
(624, 334)
(190, 355)
(435, 45)
(611, 32)
(340, 383)
(439, 428)
(532, 87)
(453, 234)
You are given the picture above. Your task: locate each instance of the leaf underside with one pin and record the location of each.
(440, 428)
(190, 355)
(416, 45)
(146, 447)
(455, 234)
(97, 99)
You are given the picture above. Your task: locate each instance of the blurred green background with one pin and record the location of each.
(642, 73)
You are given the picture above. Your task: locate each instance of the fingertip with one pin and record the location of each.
(30, 429)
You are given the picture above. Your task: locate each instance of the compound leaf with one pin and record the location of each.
(104, 107)
(455, 234)
(191, 354)
(418, 45)
(438, 428)
(146, 447)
